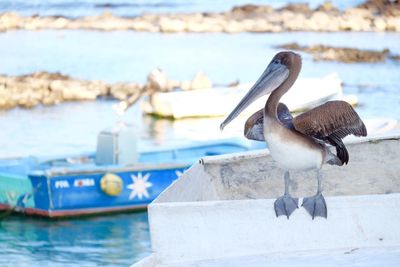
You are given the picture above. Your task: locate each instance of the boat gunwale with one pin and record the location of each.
(226, 158)
(232, 202)
(51, 173)
(63, 213)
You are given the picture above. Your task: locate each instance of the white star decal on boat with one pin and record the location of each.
(139, 186)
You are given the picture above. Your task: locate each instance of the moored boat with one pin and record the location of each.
(105, 181)
(305, 94)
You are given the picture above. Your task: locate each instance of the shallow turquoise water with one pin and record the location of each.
(113, 240)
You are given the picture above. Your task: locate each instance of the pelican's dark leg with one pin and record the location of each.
(286, 204)
(316, 205)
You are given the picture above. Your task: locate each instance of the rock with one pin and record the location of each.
(213, 25)
(97, 87)
(249, 8)
(233, 26)
(374, 15)
(382, 7)
(194, 26)
(292, 46)
(200, 81)
(327, 7)
(28, 100)
(172, 25)
(380, 24)
(261, 25)
(157, 80)
(295, 22)
(320, 21)
(46, 76)
(249, 11)
(393, 24)
(5, 101)
(297, 8)
(10, 21)
(52, 98)
(60, 23)
(355, 20)
(73, 90)
(122, 91)
(143, 26)
(46, 88)
(341, 54)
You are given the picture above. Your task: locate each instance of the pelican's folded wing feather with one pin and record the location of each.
(337, 118)
(331, 122)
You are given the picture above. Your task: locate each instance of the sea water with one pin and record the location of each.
(73, 8)
(112, 240)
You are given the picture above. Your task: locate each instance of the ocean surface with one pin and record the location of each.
(122, 56)
(130, 8)
(112, 240)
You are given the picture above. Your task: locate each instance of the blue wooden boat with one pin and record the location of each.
(71, 186)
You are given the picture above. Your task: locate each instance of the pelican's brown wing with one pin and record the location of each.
(331, 122)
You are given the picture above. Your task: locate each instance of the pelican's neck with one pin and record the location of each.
(271, 106)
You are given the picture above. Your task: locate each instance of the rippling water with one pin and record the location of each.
(73, 8)
(120, 240)
(117, 240)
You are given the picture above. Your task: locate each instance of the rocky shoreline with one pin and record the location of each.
(342, 54)
(43, 88)
(28, 91)
(374, 15)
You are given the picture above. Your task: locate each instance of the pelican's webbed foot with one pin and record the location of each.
(316, 205)
(285, 205)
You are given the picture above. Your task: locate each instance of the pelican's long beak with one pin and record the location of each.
(273, 76)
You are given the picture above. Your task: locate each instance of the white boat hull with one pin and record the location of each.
(306, 93)
(220, 213)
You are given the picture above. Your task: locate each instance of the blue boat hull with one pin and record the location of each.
(77, 194)
(59, 188)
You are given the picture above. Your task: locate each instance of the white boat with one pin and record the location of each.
(221, 213)
(306, 93)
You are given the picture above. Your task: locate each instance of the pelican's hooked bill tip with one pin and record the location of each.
(222, 126)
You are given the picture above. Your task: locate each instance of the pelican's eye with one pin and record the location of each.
(277, 61)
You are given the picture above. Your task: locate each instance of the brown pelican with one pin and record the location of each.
(297, 143)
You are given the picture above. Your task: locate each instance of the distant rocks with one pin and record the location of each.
(45, 88)
(384, 7)
(373, 15)
(342, 54)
